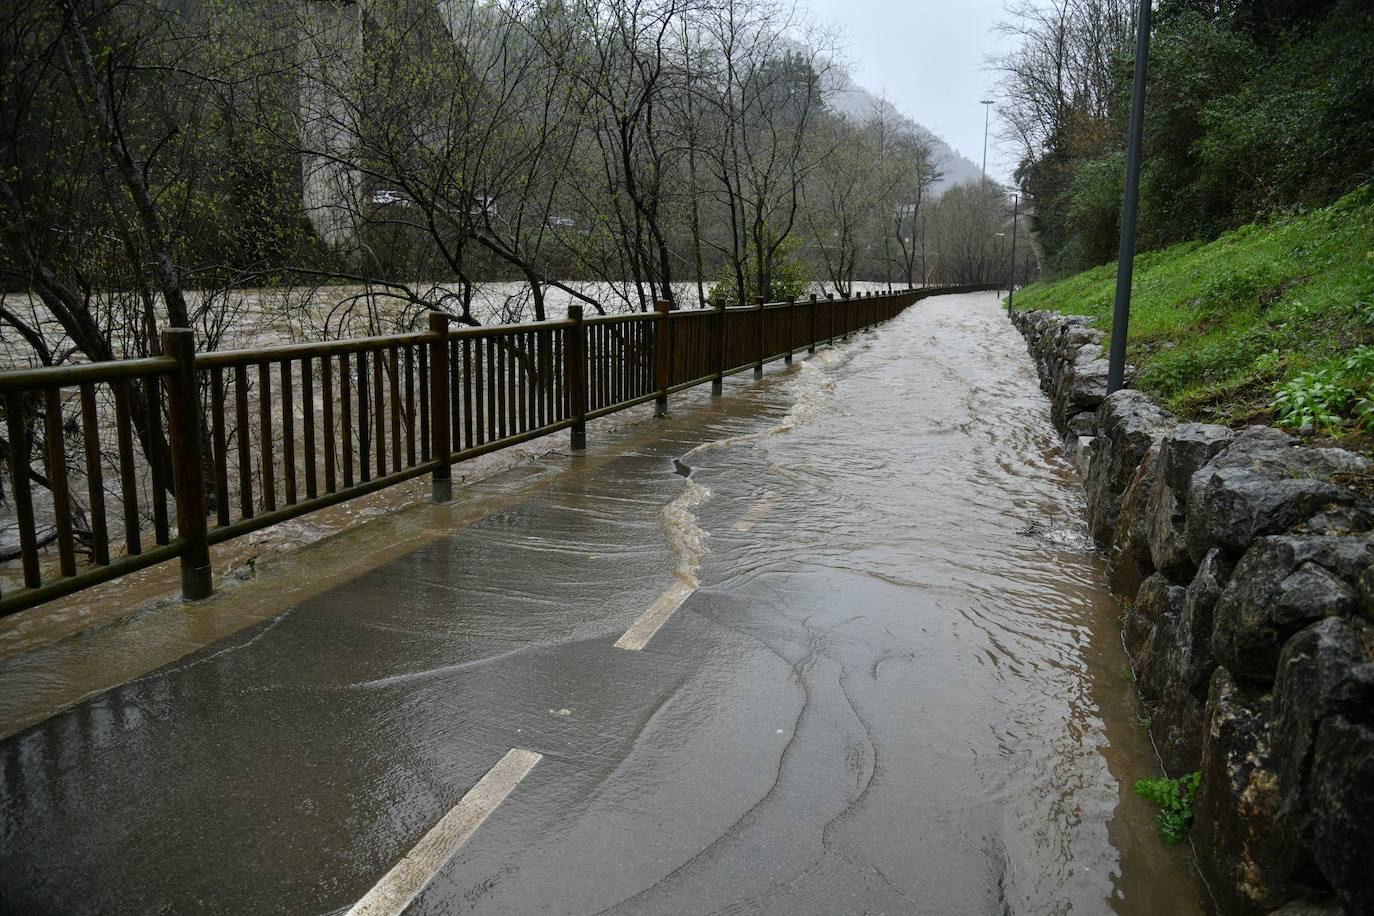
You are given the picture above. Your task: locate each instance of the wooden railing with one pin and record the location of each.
(242, 439)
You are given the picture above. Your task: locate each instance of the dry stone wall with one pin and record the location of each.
(1246, 562)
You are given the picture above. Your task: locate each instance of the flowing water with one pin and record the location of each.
(894, 682)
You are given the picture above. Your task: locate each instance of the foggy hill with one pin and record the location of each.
(849, 98)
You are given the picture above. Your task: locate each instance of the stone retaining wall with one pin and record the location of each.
(1246, 562)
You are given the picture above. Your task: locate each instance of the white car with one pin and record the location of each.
(383, 197)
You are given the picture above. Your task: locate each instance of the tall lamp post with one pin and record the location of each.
(987, 113)
(1011, 278)
(1125, 259)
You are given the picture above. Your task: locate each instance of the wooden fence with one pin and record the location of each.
(247, 443)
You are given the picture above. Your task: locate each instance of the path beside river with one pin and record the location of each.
(860, 660)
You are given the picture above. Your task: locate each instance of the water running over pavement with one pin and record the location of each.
(895, 684)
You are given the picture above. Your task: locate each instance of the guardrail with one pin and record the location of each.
(221, 432)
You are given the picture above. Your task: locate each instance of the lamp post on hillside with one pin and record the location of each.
(987, 114)
(1125, 259)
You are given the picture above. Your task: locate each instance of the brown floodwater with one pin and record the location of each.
(895, 683)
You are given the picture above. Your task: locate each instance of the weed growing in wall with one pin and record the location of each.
(1175, 800)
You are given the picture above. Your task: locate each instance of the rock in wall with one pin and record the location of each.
(1246, 561)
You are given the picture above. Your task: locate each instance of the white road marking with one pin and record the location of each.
(400, 886)
(759, 510)
(643, 630)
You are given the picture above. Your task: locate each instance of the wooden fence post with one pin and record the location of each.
(188, 476)
(718, 383)
(19, 487)
(759, 338)
(812, 348)
(57, 479)
(575, 375)
(440, 433)
(663, 356)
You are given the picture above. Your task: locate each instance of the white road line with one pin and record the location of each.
(643, 630)
(759, 510)
(400, 886)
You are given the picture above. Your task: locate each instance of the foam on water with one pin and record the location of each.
(812, 388)
(813, 393)
(686, 538)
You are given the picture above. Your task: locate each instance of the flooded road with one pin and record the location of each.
(860, 659)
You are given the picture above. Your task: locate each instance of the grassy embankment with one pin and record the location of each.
(1272, 322)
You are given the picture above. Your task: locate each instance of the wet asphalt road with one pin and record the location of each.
(892, 687)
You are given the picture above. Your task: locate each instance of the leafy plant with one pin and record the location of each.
(1360, 362)
(1324, 397)
(1314, 398)
(1364, 410)
(1175, 800)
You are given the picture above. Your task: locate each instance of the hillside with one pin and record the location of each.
(848, 97)
(1271, 322)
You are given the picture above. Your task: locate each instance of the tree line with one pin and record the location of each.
(1253, 106)
(157, 158)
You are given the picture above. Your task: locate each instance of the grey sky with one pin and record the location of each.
(927, 56)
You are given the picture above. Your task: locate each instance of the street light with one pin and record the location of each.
(987, 113)
(1011, 280)
(1125, 258)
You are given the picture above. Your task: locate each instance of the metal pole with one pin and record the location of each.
(987, 113)
(1125, 259)
(1011, 280)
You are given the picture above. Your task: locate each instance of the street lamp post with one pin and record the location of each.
(1011, 279)
(987, 113)
(1125, 259)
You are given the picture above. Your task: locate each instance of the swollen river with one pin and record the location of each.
(836, 642)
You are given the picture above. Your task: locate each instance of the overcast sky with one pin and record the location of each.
(927, 56)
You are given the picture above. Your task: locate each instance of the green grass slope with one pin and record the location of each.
(1270, 322)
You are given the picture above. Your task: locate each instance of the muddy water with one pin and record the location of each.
(256, 318)
(971, 644)
(895, 683)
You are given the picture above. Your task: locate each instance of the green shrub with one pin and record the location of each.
(1249, 114)
(790, 278)
(1175, 800)
(1095, 207)
(1324, 398)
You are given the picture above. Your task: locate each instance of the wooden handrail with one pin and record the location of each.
(464, 391)
(17, 380)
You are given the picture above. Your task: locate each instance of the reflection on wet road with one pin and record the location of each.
(828, 672)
